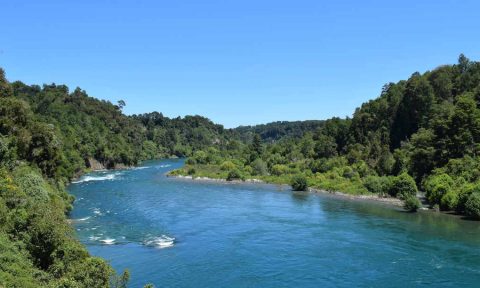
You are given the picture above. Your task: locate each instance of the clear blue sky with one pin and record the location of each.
(236, 62)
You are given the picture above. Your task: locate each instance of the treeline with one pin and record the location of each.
(419, 134)
(49, 135)
(275, 131)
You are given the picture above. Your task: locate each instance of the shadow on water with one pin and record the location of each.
(422, 224)
(300, 196)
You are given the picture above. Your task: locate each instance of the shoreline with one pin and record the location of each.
(367, 198)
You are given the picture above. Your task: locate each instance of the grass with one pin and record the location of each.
(328, 181)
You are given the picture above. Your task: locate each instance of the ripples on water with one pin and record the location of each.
(254, 235)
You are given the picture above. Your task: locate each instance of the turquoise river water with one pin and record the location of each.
(182, 233)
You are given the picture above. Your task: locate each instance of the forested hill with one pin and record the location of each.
(48, 135)
(275, 131)
(420, 133)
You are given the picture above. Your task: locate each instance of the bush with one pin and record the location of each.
(200, 157)
(259, 167)
(299, 183)
(403, 186)
(248, 170)
(449, 200)
(233, 175)
(436, 186)
(464, 193)
(348, 172)
(279, 169)
(472, 206)
(411, 203)
(191, 171)
(227, 165)
(377, 185)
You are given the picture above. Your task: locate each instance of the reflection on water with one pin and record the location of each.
(258, 235)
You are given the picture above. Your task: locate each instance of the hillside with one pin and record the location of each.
(420, 133)
(275, 131)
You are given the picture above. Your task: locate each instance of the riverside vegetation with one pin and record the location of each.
(422, 133)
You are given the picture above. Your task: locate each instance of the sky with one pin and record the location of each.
(238, 62)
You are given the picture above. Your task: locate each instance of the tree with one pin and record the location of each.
(259, 167)
(121, 104)
(256, 148)
(5, 88)
(422, 153)
(325, 147)
(413, 110)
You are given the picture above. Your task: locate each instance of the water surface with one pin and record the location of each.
(183, 233)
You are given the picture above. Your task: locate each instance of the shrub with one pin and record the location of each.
(403, 186)
(377, 185)
(348, 172)
(411, 203)
(472, 206)
(279, 169)
(436, 186)
(299, 183)
(227, 165)
(200, 157)
(191, 171)
(234, 174)
(449, 200)
(248, 170)
(464, 193)
(259, 167)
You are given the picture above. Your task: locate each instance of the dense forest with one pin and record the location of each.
(272, 132)
(422, 133)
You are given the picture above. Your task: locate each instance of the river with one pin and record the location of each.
(182, 233)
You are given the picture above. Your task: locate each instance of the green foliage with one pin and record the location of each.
(472, 206)
(403, 186)
(279, 169)
(378, 184)
(436, 186)
(259, 167)
(191, 171)
(228, 165)
(299, 183)
(411, 203)
(234, 174)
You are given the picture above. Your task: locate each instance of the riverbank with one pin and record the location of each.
(362, 197)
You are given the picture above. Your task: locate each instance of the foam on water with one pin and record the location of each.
(97, 212)
(162, 241)
(82, 219)
(140, 168)
(108, 241)
(83, 179)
